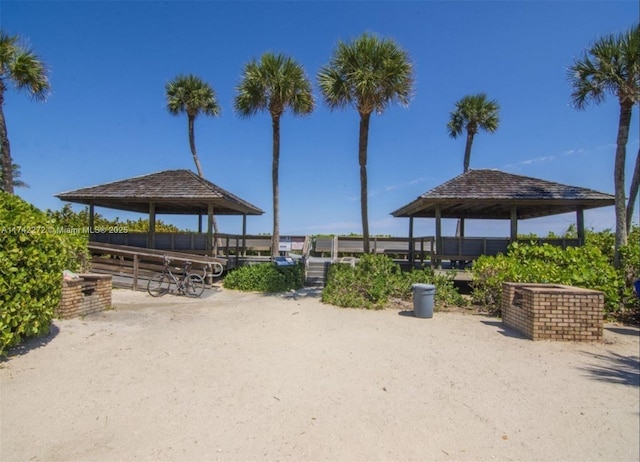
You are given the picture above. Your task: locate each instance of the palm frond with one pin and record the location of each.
(368, 73)
(275, 83)
(23, 67)
(473, 112)
(192, 95)
(610, 66)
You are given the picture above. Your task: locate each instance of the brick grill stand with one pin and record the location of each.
(88, 294)
(553, 311)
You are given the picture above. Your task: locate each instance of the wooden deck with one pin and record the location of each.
(127, 255)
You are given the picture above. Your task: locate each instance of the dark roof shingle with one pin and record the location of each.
(172, 192)
(491, 194)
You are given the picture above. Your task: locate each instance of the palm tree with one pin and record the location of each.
(472, 113)
(21, 66)
(194, 96)
(17, 182)
(612, 66)
(368, 74)
(191, 95)
(275, 83)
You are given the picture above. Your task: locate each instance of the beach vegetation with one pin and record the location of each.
(588, 266)
(32, 259)
(265, 277)
(376, 280)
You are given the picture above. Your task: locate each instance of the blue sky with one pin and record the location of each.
(106, 119)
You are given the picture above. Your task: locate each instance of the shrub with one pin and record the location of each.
(583, 266)
(376, 279)
(71, 227)
(629, 273)
(32, 258)
(265, 277)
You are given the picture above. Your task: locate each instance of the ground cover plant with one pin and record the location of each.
(377, 279)
(265, 277)
(33, 255)
(590, 266)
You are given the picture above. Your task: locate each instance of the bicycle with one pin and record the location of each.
(190, 284)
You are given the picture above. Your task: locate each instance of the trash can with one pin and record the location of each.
(423, 296)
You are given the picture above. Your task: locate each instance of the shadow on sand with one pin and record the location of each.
(624, 330)
(504, 330)
(305, 292)
(31, 343)
(622, 370)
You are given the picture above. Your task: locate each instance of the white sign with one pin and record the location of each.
(285, 244)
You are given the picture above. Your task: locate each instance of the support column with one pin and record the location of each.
(514, 223)
(244, 235)
(411, 245)
(151, 237)
(200, 223)
(209, 228)
(580, 223)
(91, 221)
(438, 236)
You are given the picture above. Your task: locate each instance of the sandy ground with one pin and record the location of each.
(237, 376)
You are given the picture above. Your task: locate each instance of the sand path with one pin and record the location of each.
(238, 376)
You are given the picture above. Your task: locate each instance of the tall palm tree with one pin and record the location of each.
(612, 66)
(275, 83)
(191, 95)
(368, 74)
(20, 65)
(473, 113)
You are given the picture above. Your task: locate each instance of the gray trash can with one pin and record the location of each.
(423, 296)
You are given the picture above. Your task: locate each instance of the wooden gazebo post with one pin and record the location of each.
(411, 256)
(91, 220)
(580, 223)
(210, 245)
(244, 234)
(438, 214)
(514, 223)
(151, 237)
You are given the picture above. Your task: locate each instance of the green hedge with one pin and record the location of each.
(32, 258)
(585, 267)
(376, 279)
(265, 277)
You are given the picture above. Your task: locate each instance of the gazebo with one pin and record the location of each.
(174, 192)
(496, 195)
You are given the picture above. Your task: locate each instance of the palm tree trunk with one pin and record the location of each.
(192, 144)
(7, 162)
(275, 239)
(618, 179)
(633, 192)
(466, 162)
(362, 159)
(467, 151)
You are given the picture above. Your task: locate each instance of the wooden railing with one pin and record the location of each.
(425, 248)
(235, 248)
(141, 263)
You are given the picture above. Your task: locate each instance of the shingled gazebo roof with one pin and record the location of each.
(491, 194)
(171, 191)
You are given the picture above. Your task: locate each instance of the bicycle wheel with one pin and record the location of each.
(193, 285)
(218, 269)
(159, 285)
